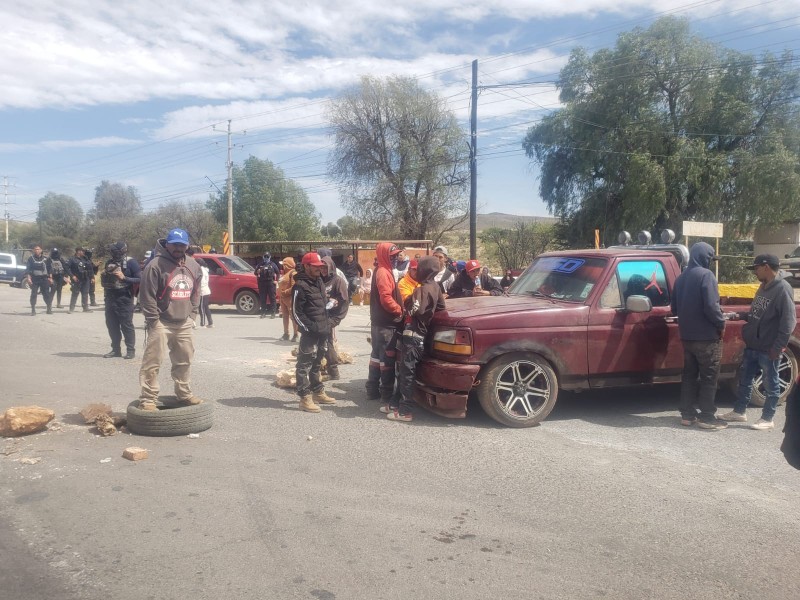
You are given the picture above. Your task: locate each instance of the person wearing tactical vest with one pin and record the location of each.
(267, 273)
(60, 276)
(92, 277)
(39, 278)
(80, 271)
(120, 274)
(169, 294)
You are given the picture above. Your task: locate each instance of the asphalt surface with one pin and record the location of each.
(608, 498)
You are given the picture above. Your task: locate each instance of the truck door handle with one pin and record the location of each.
(671, 319)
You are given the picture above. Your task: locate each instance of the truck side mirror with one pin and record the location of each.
(638, 304)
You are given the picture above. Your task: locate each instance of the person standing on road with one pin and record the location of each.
(92, 276)
(205, 295)
(352, 272)
(337, 306)
(120, 276)
(170, 298)
(445, 276)
(40, 279)
(308, 310)
(59, 272)
(425, 299)
(770, 322)
(695, 301)
(81, 271)
(285, 285)
(386, 316)
(267, 273)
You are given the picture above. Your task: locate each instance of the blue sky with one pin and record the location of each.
(132, 92)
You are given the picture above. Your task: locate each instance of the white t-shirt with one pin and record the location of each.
(448, 282)
(205, 289)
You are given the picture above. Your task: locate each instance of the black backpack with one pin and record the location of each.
(57, 267)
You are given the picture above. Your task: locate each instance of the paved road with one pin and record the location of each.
(609, 498)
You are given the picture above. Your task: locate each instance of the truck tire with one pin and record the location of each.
(518, 389)
(787, 375)
(170, 420)
(247, 302)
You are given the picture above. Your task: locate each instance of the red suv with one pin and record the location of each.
(232, 281)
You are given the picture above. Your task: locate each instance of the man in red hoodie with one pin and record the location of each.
(386, 315)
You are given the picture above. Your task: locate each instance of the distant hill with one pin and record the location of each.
(504, 221)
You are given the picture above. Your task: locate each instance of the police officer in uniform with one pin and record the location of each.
(92, 277)
(120, 274)
(267, 273)
(58, 268)
(80, 272)
(39, 278)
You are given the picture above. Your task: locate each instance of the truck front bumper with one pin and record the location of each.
(443, 387)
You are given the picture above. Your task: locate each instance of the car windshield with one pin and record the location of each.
(560, 277)
(795, 253)
(234, 264)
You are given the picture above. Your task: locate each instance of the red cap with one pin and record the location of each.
(472, 265)
(413, 264)
(313, 259)
(394, 250)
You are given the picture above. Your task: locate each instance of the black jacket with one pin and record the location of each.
(464, 285)
(336, 289)
(82, 268)
(38, 269)
(425, 300)
(352, 270)
(308, 305)
(695, 298)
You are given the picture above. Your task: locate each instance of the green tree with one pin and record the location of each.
(114, 201)
(266, 205)
(515, 248)
(331, 230)
(60, 219)
(666, 127)
(399, 157)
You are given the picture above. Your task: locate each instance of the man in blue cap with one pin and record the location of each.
(169, 295)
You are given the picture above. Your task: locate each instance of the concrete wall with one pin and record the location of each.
(779, 240)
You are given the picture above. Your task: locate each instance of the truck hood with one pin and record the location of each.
(488, 307)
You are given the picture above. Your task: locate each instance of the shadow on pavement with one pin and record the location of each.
(77, 355)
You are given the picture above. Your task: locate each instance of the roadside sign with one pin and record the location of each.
(700, 229)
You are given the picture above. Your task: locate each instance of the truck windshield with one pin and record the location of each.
(560, 277)
(234, 264)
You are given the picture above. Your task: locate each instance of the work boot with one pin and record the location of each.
(113, 354)
(307, 404)
(130, 354)
(33, 311)
(191, 400)
(322, 398)
(87, 309)
(333, 373)
(263, 316)
(49, 309)
(147, 404)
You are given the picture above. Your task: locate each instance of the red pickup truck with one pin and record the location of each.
(232, 281)
(573, 320)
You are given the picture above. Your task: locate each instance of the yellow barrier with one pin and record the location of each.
(738, 290)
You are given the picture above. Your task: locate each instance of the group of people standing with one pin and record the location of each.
(47, 275)
(769, 324)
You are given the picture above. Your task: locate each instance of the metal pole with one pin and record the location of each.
(473, 165)
(230, 190)
(5, 192)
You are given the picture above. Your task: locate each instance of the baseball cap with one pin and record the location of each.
(765, 259)
(394, 250)
(472, 265)
(413, 264)
(312, 259)
(441, 249)
(178, 236)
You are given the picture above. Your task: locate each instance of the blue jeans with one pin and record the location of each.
(753, 362)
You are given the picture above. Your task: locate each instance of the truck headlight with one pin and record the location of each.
(453, 341)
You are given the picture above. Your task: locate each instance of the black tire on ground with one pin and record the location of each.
(247, 302)
(518, 389)
(170, 419)
(787, 375)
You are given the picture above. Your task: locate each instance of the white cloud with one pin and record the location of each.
(96, 142)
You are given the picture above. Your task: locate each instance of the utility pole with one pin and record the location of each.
(230, 190)
(7, 216)
(473, 165)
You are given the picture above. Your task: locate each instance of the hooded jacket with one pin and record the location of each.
(426, 299)
(772, 317)
(336, 289)
(695, 298)
(286, 282)
(385, 308)
(308, 304)
(464, 285)
(169, 290)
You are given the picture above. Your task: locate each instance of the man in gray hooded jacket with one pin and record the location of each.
(695, 300)
(770, 323)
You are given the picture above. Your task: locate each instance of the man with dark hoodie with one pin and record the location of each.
(695, 301)
(386, 316)
(169, 295)
(309, 312)
(420, 306)
(338, 301)
(770, 323)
